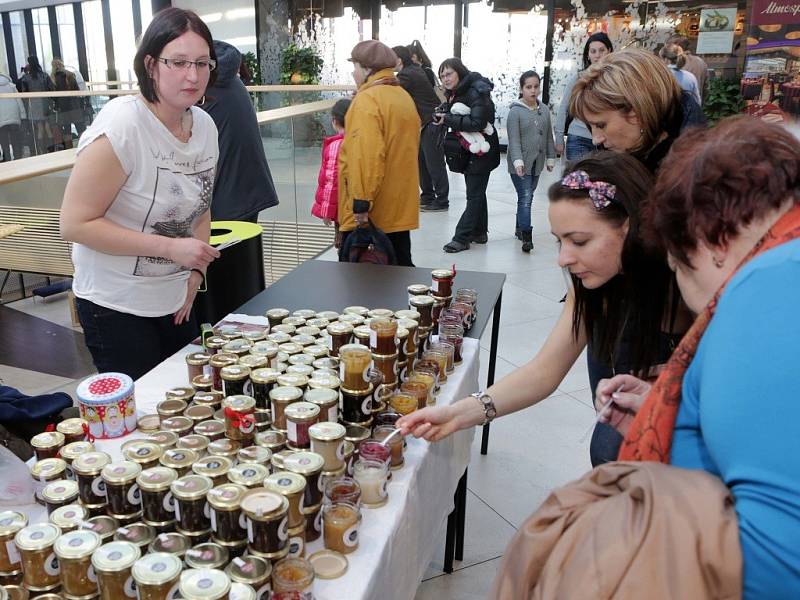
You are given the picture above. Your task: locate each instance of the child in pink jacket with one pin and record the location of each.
(326, 199)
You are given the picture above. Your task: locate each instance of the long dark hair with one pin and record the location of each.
(34, 68)
(595, 37)
(642, 297)
(416, 48)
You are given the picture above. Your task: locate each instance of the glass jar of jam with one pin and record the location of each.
(236, 380)
(281, 397)
(395, 444)
(203, 383)
(339, 334)
(263, 380)
(254, 361)
(59, 493)
(290, 348)
(74, 429)
(214, 344)
(142, 452)
(218, 362)
(279, 457)
(372, 476)
(304, 370)
(448, 349)
(361, 311)
(292, 575)
(195, 442)
(11, 523)
(204, 584)
(297, 541)
(252, 571)
(386, 417)
(239, 347)
(255, 335)
(212, 429)
(315, 351)
(255, 455)
(180, 460)
(45, 471)
(342, 489)
(191, 508)
(417, 289)
(158, 505)
(327, 400)
(274, 441)
(309, 465)
(139, 534)
(102, 525)
(340, 522)
(303, 339)
(171, 407)
(292, 486)
(267, 349)
(283, 336)
(324, 378)
(353, 320)
(404, 402)
(276, 315)
(373, 450)
(431, 367)
(349, 453)
(299, 417)
(357, 407)
(148, 424)
(239, 419)
(199, 413)
(16, 592)
(424, 306)
(87, 468)
(165, 439)
(47, 444)
(266, 517)
(361, 335)
(197, 364)
(455, 335)
(214, 467)
(428, 380)
(292, 380)
(224, 447)
(327, 440)
(249, 475)
(174, 543)
(441, 359)
(179, 425)
(207, 556)
(354, 363)
(387, 366)
(157, 576)
(74, 552)
(72, 451)
(313, 523)
(40, 566)
(227, 525)
(112, 564)
(212, 398)
(122, 492)
(383, 336)
(326, 362)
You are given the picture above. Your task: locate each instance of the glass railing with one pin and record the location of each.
(31, 190)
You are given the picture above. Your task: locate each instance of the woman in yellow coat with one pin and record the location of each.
(378, 171)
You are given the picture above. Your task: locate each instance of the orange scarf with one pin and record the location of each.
(650, 434)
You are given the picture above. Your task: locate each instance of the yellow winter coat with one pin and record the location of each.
(378, 158)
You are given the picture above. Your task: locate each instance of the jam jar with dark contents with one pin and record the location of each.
(224, 447)
(207, 556)
(236, 380)
(102, 525)
(212, 398)
(313, 524)
(275, 316)
(255, 454)
(174, 543)
(40, 566)
(239, 420)
(157, 576)
(180, 425)
(45, 471)
(87, 468)
(227, 523)
(180, 460)
(299, 417)
(191, 510)
(263, 380)
(158, 504)
(266, 516)
(203, 383)
(74, 552)
(74, 430)
(199, 413)
(142, 452)
(195, 442)
(254, 361)
(214, 467)
(292, 486)
(309, 465)
(112, 565)
(214, 344)
(212, 429)
(249, 475)
(357, 407)
(122, 492)
(274, 441)
(253, 571)
(171, 407)
(204, 584)
(47, 444)
(11, 522)
(239, 347)
(328, 402)
(280, 398)
(72, 451)
(139, 534)
(218, 362)
(59, 493)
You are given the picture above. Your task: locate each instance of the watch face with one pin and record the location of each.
(491, 412)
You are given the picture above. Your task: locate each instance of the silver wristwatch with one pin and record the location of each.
(488, 406)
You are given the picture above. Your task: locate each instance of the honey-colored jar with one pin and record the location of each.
(204, 584)
(387, 366)
(214, 467)
(292, 486)
(197, 364)
(327, 400)
(158, 505)
(45, 471)
(10, 523)
(59, 493)
(225, 510)
(112, 564)
(157, 576)
(74, 429)
(69, 518)
(292, 575)
(142, 452)
(74, 551)
(16, 592)
(239, 420)
(40, 566)
(47, 444)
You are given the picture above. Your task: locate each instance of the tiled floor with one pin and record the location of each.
(530, 452)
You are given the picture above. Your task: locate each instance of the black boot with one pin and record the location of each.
(527, 243)
(518, 234)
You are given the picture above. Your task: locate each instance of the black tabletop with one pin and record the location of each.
(327, 285)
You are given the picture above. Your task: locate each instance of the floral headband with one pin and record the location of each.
(600, 192)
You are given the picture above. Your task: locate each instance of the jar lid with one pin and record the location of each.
(177, 424)
(407, 315)
(304, 463)
(264, 505)
(227, 496)
(142, 451)
(402, 333)
(215, 342)
(124, 471)
(316, 351)
(206, 556)
(331, 315)
(264, 375)
(102, 525)
(327, 432)
(73, 426)
(223, 359)
(362, 331)
(171, 407)
(302, 411)
(194, 441)
(381, 313)
(280, 337)
(74, 449)
(321, 396)
(223, 447)
(165, 439)
(278, 458)
(286, 393)
(105, 388)
(340, 328)
(241, 591)
(178, 458)
(148, 423)
(237, 346)
(209, 428)
(90, 463)
(205, 584)
(69, 516)
(304, 370)
(254, 361)
(140, 534)
(174, 543)
(59, 491)
(324, 381)
(248, 474)
(254, 454)
(235, 372)
(265, 348)
(277, 313)
(352, 319)
(305, 313)
(80, 543)
(199, 412)
(191, 487)
(11, 522)
(198, 358)
(255, 335)
(301, 359)
(303, 340)
(179, 393)
(285, 482)
(156, 479)
(115, 556)
(323, 374)
(270, 439)
(283, 328)
(294, 321)
(310, 330)
(48, 468)
(290, 348)
(421, 301)
(250, 570)
(212, 466)
(37, 536)
(356, 434)
(328, 564)
(156, 569)
(356, 310)
(239, 403)
(47, 439)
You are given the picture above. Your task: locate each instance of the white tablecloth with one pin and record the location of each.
(397, 540)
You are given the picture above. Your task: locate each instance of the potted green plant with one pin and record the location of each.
(723, 99)
(300, 65)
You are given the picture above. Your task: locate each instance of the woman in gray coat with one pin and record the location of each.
(530, 148)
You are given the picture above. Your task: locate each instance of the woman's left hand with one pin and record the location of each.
(626, 394)
(195, 279)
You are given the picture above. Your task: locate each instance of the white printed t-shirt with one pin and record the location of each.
(169, 186)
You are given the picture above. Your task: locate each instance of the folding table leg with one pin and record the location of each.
(461, 512)
(492, 364)
(450, 541)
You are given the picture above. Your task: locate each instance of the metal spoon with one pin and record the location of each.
(390, 436)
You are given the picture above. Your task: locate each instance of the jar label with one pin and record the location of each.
(320, 484)
(134, 494)
(208, 370)
(243, 521)
(318, 522)
(248, 388)
(261, 593)
(434, 284)
(130, 587)
(296, 546)
(384, 492)
(350, 536)
(207, 510)
(70, 473)
(250, 536)
(91, 575)
(339, 452)
(291, 431)
(13, 553)
(213, 518)
(366, 406)
(365, 374)
(283, 529)
(51, 566)
(302, 503)
(169, 502)
(373, 338)
(174, 591)
(333, 414)
(99, 486)
(247, 426)
(177, 506)
(341, 371)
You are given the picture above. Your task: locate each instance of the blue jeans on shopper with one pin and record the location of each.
(525, 187)
(578, 146)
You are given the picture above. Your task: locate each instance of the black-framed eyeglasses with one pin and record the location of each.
(184, 64)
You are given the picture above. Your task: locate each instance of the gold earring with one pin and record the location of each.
(717, 262)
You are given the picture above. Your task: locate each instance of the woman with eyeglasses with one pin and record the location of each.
(136, 206)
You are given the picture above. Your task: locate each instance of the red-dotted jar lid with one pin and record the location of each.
(105, 388)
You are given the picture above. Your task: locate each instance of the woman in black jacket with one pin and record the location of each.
(471, 89)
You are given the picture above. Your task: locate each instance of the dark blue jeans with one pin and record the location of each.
(525, 187)
(578, 146)
(129, 344)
